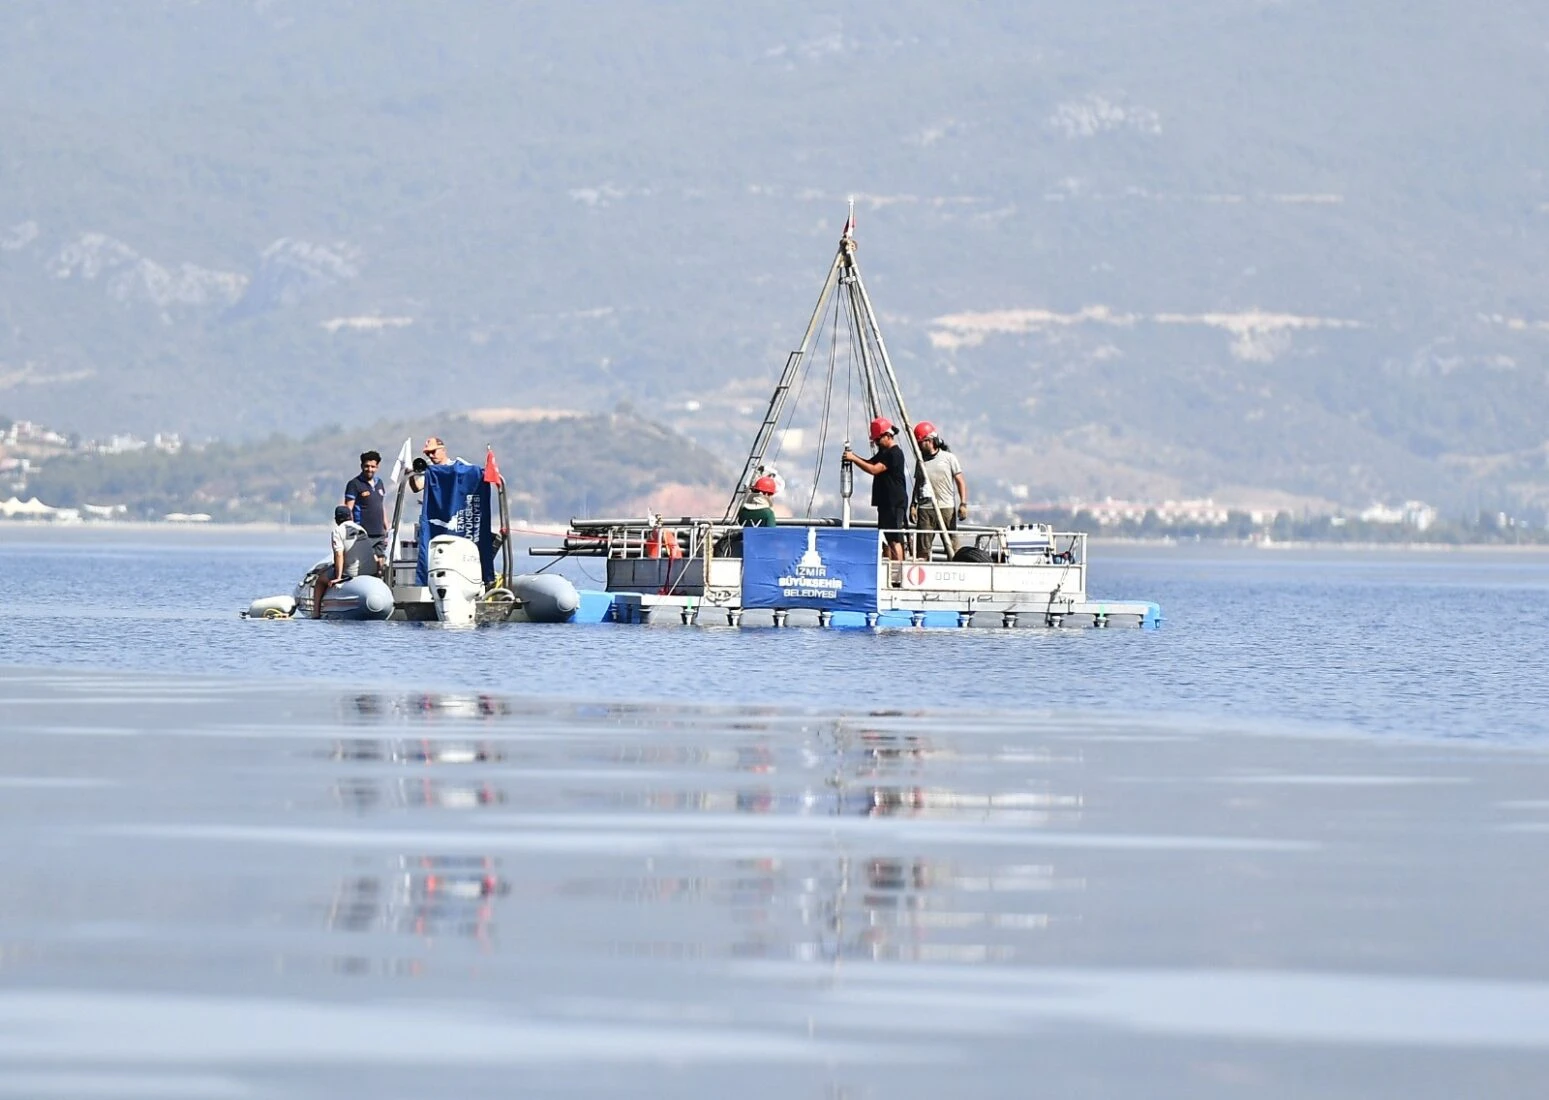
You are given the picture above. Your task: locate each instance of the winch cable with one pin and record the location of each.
(1069, 555)
(857, 367)
(828, 404)
(863, 349)
(849, 395)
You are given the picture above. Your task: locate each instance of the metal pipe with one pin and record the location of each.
(846, 488)
(632, 521)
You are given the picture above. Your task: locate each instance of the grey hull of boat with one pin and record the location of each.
(359, 599)
(545, 597)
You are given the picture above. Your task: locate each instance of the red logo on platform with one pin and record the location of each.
(916, 576)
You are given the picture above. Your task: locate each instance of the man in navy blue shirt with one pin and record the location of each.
(889, 487)
(367, 501)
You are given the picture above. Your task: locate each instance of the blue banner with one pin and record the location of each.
(830, 569)
(457, 502)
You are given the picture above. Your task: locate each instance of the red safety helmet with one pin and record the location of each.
(880, 427)
(923, 431)
(766, 485)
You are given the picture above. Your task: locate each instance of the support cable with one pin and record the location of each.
(828, 404)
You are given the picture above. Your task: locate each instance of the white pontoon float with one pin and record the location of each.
(832, 571)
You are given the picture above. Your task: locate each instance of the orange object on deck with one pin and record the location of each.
(660, 543)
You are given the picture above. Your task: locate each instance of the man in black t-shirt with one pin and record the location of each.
(889, 485)
(367, 501)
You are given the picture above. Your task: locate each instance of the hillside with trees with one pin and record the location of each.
(1212, 247)
(554, 469)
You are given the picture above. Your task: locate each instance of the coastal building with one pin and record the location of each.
(35, 509)
(1412, 513)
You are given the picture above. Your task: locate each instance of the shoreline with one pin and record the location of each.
(554, 530)
(1313, 544)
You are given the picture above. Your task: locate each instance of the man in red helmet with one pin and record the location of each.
(889, 486)
(940, 491)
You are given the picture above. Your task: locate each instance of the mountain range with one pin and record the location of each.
(1251, 249)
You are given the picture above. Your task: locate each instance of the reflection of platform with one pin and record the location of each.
(425, 896)
(1229, 911)
(416, 751)
(430, 707)
(369, 794)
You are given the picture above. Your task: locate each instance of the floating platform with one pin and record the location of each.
(812, 574)
(657, 610)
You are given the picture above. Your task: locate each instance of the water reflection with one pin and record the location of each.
(425, 896)
(889, 904)
(407, 751)
(872, 773)
(911, 893)
(450, 895)
(428, 706)
(901, 909)
(888, 750)
(364, 795)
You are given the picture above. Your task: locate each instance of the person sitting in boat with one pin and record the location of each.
(940, 492)
(758, 508)
(353, 556)
(889, 486)
(366, 498)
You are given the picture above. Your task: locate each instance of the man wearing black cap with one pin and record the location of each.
(889, 486)
(353, 555)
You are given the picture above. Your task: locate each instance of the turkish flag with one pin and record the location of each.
(491, 471)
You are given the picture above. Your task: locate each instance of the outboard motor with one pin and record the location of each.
(456, 578)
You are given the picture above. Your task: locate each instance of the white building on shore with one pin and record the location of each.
(1412, 513)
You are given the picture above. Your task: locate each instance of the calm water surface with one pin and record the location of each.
(1427, 644)
(1286, 846)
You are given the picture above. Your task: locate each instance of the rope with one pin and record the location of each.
(1070, 560)
(849, 399)
(828, 404)
(858, 352)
